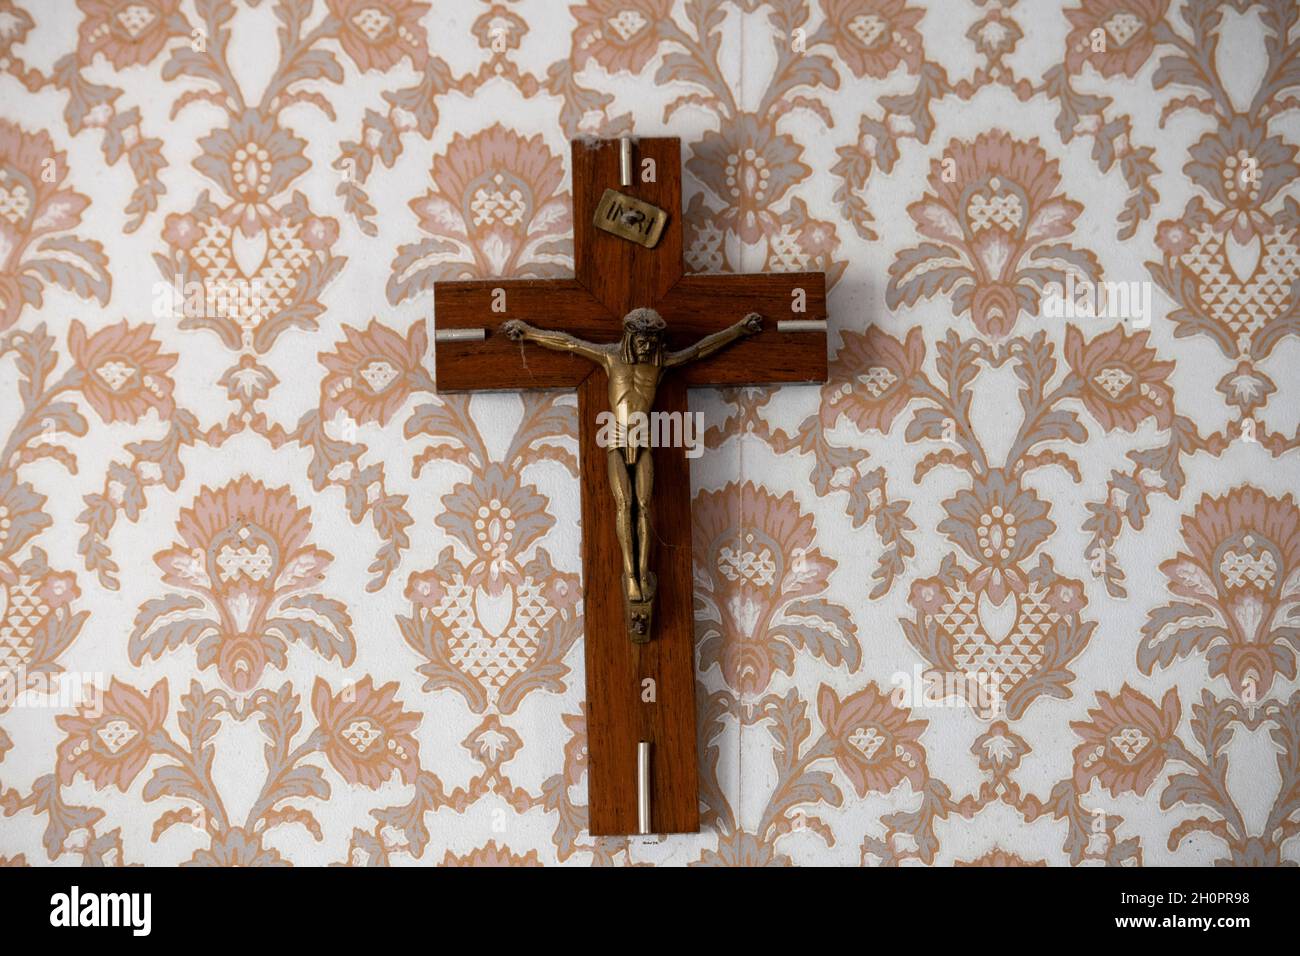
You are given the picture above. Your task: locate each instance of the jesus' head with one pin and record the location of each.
(643, 337)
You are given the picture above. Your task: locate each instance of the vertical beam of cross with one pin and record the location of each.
(635, 692)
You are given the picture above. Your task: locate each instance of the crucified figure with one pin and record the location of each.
(634, 365)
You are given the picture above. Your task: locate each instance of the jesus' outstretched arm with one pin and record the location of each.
(519, 331)
(751, 324)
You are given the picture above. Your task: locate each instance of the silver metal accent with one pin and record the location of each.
(801, 325)
(643, 788)
(459, 335)
(625, 161)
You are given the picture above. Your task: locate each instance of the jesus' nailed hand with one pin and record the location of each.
(634, 366)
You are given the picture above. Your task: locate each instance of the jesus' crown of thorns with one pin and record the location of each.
(644, 320)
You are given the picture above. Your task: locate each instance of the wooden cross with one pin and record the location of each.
(637, 693)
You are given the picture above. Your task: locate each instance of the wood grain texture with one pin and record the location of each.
(617, 718)
(700, 304)
(497, 363)
(620, 274)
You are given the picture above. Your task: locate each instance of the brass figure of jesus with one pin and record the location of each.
(634, 366)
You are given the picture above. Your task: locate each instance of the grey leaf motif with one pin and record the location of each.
(165, 624)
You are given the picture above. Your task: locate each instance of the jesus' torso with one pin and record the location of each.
(631, 392)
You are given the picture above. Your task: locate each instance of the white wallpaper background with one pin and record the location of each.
(336, 617)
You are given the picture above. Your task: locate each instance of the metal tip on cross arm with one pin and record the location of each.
(459, 335)
(801, 325)
(625, 161)
(643, 788)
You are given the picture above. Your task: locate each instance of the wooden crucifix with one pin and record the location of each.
(582, 333)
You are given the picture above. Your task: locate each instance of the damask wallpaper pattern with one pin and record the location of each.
(1019, 585)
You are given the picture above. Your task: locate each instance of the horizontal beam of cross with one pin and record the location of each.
(696, 306)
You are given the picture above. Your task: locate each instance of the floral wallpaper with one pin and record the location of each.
(1020, 585)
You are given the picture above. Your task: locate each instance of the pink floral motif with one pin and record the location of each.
(872, 378)
(999, 749)
(319, 233)
(128, 32)
(1242, 169)
(1239, 584)
(1124, 741)
(237, 847)
(759, 578)
(750, 167)
(499, 28)
(378, 34)
(496, 626)
(1246, 387)
(802, 243)
(181, 231)
(1231, 272)
(621, 35)
(34, 205)
(992, 204)
(743, 849)
(1173, 238)
(1000, 524)
(251, 269)
(424, 589)
(111, 744)
(874, 36)
(1115, 36)
(368, 736)
(243, 557)
(498, 518)
(247, 381)
(15, 24)
(37, 623)
(1006, 650)
(495, 209)
(123, 371)
(59, 589)
(1121, 382)
(492, 743)
(373, 371)
(875, 743)
(491, 855)
(253, 160)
